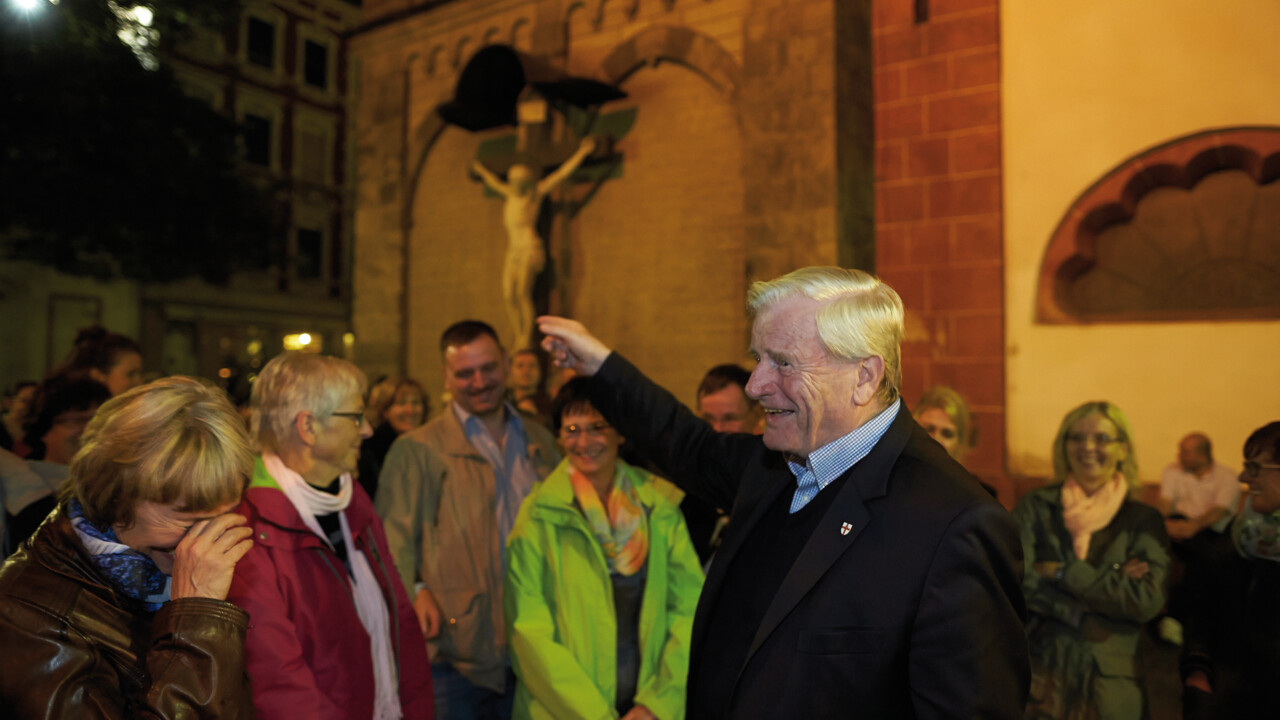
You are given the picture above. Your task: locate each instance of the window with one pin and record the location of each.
(257, 139)
(261, 43)
(315, 64)
(310, 256)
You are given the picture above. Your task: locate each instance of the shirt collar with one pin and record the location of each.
(831, 460)
(472, 424)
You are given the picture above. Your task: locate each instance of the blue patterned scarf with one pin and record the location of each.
(130, 572)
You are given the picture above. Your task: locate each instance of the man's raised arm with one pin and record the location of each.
(571, 345)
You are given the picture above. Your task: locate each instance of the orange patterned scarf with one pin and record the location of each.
(622, 532)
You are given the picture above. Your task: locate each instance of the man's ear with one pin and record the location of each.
(870, 373)
(304, 424)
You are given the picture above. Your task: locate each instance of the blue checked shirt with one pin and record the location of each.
(512, 470)
(831, 460)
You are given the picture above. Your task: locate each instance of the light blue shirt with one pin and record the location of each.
(513, 473)
(831, 461)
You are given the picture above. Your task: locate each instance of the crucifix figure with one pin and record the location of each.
(526, 254)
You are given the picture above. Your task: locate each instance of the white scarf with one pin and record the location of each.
(1085, 514)
(370, 605)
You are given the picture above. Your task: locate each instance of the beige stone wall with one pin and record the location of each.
(1084, 89)
(729, 173)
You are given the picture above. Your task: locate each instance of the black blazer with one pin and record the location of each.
(915, 612)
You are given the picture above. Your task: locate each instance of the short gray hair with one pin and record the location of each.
(860, 316)
(299, 382)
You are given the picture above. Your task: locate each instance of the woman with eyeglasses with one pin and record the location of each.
(601, 582)
(1096, 560)
(333, 635)
(1231, 659)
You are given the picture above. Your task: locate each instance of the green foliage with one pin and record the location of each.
(106, 168)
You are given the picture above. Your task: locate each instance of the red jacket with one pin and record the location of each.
(308, 653)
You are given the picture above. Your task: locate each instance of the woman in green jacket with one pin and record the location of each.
(1096, 561)
(601, 582)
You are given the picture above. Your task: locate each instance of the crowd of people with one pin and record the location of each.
(799, 544)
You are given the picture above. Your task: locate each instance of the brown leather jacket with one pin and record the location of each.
(71, 647)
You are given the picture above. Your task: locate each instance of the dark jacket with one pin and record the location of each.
(308, 652)
(1087, 624)
(1235, 641)
(905, 603)
(74, 648)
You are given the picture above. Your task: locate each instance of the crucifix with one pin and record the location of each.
(539, 165)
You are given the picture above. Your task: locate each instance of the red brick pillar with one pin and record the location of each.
(938, 202)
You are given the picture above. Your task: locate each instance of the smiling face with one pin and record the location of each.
(590, 443)
(1264, 488)
(157, 529)
(406, 410)
(1094, 451)
(337, 441)
(475, 375)
(807, 396)
(125, 374)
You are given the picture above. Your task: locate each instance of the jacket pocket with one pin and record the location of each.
(461, 622)
(841, 641)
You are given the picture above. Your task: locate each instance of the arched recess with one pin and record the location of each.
(699, 65)
(1182, 231)
(700, 53)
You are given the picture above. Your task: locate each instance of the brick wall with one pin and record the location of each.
(938, 202)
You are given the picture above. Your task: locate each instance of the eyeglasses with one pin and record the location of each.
(1254, 469)
(356, 417)
(594, 430)
(1097, 438)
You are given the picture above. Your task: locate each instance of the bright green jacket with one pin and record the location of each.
(560, 619)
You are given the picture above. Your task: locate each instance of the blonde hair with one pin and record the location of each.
(860, 316)
(1128, 467)
(171, 441)
(299, 382)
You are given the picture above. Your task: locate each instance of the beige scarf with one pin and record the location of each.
(370, 606)
(1086, 514)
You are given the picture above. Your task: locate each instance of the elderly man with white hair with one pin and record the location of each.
(867, 573)
(332, 633)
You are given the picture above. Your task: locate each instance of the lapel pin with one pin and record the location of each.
(845, 528)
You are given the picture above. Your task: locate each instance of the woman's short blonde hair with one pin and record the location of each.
(1128, 467)
(860, 316)
(298, 382)
(173, 442)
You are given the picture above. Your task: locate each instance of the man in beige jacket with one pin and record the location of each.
(448, 495)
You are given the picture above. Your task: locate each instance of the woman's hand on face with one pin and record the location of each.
(1135, 568)
(639, 712)
(206, 558)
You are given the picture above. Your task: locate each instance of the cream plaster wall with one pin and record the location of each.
(1086, 85)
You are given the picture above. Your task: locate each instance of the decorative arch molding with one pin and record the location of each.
(1184, 231)
(668, 43)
